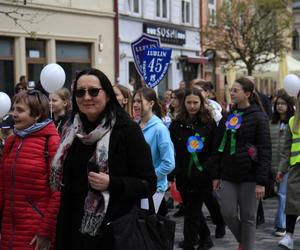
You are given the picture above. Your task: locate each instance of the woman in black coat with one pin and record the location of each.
(192, 134)
(103, 166)
(242, 162)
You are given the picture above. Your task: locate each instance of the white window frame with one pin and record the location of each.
(130, 7)
(160, 15)
(184, 13)
(212, 9)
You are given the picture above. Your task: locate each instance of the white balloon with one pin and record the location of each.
(5, 104)
(52, 77)
(291, 84)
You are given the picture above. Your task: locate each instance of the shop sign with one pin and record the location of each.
(168, 35)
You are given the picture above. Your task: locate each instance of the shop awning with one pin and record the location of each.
(198, 60)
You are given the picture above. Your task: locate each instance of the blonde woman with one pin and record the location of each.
(60, 103)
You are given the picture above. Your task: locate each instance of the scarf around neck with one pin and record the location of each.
(33, 128)
(95, 202)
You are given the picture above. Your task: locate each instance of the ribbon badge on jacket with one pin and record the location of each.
(233, 123)
(194, 145)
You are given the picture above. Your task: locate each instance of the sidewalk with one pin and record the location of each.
(264, 238)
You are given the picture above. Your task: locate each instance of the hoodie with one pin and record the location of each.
(162, 150)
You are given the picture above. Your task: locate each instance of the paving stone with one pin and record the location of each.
(264, 238)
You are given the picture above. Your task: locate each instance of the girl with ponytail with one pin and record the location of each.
(146, 105)
(241, 162)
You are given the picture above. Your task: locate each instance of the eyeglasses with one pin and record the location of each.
(93, 92)
(281, 103)
(35, 93)
(234, 90)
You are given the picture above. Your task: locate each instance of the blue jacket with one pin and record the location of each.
(162, 150)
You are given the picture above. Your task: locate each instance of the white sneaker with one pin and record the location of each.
(287, 241)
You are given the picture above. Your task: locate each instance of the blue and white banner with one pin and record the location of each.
(138, 49)
(155, 65)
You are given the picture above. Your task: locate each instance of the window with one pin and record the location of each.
(212, 12)
(7, 66)
(295, 40)
(186, 11)
(35, 59)
(212, 17)
(73, 57)
(134, 7)
(162, 8)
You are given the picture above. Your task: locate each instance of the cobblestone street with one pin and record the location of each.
(264, 238)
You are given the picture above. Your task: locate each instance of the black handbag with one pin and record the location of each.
(142, 229)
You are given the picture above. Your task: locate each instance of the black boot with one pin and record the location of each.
(180, 211)
(206, 244)
(220, 231)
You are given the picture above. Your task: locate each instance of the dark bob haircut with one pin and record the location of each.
(36, 101)
(112, 107)
(290, 108)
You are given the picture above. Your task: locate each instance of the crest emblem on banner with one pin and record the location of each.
(138, 49)
(155, 65)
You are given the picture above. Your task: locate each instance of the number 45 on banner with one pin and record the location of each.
(155, 65)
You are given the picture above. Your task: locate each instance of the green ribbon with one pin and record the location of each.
(233, 142)
(194, 160)
(223, 142)
(232, 139)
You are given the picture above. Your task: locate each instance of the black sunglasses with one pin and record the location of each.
(93, 92)
(35, 93)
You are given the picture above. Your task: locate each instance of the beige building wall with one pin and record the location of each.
(208, 71)
(89, 21)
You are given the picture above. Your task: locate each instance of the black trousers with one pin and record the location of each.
(213, 207)
(194, 221)
(291, 220)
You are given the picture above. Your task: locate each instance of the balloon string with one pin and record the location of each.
(51, 109)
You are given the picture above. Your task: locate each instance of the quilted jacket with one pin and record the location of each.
(27, 205)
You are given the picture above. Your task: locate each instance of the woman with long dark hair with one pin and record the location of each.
(290, 162)
(103, 166)
(192, 133)
(283, 111)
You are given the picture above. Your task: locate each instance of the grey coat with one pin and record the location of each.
(293, 189)
(277, 140)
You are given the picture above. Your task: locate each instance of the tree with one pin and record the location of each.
(19, 16)
(252, 31)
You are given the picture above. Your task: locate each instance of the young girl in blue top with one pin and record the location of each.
(157, 136)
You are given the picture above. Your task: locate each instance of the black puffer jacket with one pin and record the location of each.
(239, 167)
(180, 131)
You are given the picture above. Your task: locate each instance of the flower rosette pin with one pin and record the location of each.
(194, 144)
(234, 121)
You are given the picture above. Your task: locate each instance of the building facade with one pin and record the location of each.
(296, 30)
(176, 23)
(73, 33)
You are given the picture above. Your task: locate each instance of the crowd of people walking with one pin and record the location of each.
(75, 161)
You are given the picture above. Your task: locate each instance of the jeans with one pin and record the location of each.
(280, 221)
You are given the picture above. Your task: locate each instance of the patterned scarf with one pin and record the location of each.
(95, 202)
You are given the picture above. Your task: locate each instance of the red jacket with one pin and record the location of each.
(27, 205)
